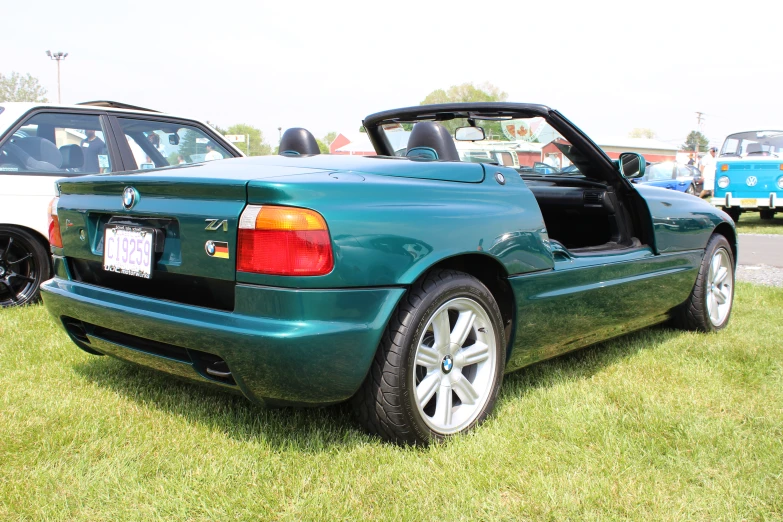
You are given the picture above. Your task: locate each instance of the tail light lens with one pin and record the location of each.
(55, 239)
(283, 241)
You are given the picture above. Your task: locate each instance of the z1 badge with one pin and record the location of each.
(217, 249)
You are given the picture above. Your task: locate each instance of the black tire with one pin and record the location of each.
(767, 214)
(734, 213)
(24, 265)
(694, 313)
(386, 403)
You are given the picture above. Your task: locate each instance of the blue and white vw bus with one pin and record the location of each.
(749, 174)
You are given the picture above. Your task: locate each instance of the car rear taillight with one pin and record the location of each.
(55, 239)
(283, 241)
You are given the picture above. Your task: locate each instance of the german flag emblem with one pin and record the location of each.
(217, 249)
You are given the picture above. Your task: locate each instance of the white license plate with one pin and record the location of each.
(129, 250)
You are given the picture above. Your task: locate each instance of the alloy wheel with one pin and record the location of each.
(455, 364)
(18, 271)
(720, 282)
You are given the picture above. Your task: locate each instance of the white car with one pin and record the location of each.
(41, 143)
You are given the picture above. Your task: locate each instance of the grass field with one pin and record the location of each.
(751, 223)
(659, 425)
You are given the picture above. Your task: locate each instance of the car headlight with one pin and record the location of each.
(723, 181)
(780, 183)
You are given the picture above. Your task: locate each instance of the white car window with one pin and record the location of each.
(156, 144)
(57, 143)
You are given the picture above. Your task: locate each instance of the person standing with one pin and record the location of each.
(708, 173)
(212, 154)
(92, 147)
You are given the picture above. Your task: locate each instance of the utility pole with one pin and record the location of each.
(699, 117)
(58, 56)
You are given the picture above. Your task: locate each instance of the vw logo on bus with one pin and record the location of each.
(751, 181)
(130, 197)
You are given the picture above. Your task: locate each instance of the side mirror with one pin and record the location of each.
(631, 165)
(469, 134)
(174, 139)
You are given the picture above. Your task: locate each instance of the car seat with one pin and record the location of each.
(431, 140)
(73, 157)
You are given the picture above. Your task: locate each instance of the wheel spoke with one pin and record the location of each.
(725, 293)
(11, 291)
(441, 329)
(719, 297)
(7, 248)
(713, 309)
(28, 256)
(720, 275)
(714, 266)
(465, 391)
(463, 327)
(427, 388)
(427, 357)
(443, 406)
(474, 354)
(20, 276)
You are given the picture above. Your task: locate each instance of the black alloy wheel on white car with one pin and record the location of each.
(438, 369)
(24, 265)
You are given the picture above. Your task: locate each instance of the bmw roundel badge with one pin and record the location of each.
(447, 364)
(129, 197)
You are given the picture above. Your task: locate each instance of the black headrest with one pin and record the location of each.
(73, 157)
(298, 141)
(434, 136)
(40, 149)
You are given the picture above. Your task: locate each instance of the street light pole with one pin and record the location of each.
(58, 56)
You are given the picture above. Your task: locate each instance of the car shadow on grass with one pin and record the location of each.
(322, 429)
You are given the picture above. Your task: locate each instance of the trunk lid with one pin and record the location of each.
(189, 212)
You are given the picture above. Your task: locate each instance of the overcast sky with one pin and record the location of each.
(608, 66)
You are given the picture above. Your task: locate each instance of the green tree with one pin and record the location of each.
(468, 92)
(258, 147)
(18, 88)
(696, 137)
(323, 144)
(642, 133)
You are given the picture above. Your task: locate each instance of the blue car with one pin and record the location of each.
(670, 175)
(749, 174)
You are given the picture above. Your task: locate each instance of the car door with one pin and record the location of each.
(45, 145)
(594, 294)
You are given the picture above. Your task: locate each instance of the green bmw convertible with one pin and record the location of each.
(408, 282)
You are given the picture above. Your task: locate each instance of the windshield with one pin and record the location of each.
(754, 143)
(660, 171)
(529, 145)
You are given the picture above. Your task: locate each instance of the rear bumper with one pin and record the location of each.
(282, 346)
(770, 201)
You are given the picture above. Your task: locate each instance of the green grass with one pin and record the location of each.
(751, 223)
(659, 425)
